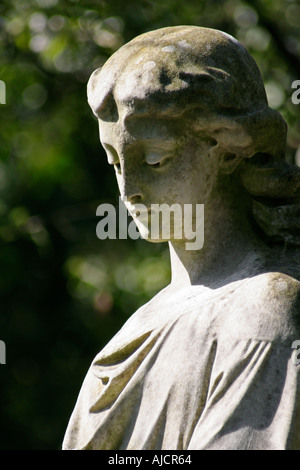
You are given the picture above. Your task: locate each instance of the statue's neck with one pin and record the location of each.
(231, 251)
(194, 268)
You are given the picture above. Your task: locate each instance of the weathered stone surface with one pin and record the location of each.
(208, 362)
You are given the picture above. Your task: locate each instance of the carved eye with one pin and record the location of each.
(159, 163)
(155, 165)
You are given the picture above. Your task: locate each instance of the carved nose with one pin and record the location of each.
(130, 191)
(133, 199)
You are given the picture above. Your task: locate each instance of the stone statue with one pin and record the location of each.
(208, 363)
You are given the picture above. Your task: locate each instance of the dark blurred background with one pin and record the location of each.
(64, 293)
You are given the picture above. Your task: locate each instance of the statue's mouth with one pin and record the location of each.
(139, 212)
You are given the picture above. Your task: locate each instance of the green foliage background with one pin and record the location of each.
(64, 293)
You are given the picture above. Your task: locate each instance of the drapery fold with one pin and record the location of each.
(214, 372)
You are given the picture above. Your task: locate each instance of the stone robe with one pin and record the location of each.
(199, 369)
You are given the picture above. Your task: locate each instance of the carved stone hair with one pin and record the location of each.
(210, 76)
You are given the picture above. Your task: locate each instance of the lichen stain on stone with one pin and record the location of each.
(184, 44)
(149, 65)
(284, 287)
(169, 49)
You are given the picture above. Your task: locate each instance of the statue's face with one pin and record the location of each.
(157, 161)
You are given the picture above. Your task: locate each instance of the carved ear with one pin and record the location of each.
(228, 161)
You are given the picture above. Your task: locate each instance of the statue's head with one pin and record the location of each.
(190, 72)
(203, 82)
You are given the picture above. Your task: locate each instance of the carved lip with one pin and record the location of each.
(141, 213)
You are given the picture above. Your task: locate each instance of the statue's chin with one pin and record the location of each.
(146, 233)
(154, 240)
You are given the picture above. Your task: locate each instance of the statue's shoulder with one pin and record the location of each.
(278, 290)
(267, 307)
